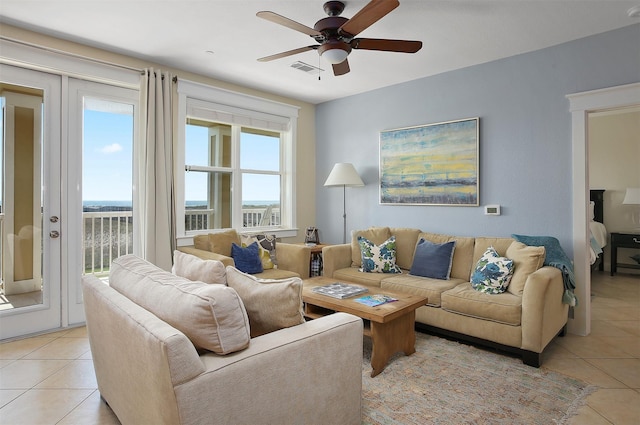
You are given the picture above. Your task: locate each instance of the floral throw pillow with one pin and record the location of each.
(378, 258)
(493, 273)
(266, 246)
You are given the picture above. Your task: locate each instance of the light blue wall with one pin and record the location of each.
(525, 138)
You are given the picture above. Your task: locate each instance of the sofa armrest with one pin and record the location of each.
(310, 373)
(207, 255)
(543, 313)
(294, 258)
(335, 257)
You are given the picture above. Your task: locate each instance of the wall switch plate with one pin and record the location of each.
(492, 210)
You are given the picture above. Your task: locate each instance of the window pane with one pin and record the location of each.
(207, 144)
(259, 150)
(260, 200)
(207, 200)
(107, 182)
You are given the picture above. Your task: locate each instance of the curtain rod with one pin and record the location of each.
(74, 55)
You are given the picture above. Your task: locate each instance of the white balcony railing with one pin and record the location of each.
(109, 234)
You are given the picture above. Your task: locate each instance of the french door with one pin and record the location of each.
(67, 193)
(30, 298)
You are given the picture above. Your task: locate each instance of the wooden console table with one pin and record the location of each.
(623, 240)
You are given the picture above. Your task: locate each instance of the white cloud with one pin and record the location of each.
(112, 148)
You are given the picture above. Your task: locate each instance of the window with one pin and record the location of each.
(235, 162)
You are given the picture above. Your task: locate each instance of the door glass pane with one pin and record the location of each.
(107, 182)
(22, 194)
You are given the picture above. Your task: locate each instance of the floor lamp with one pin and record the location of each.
(344, 174)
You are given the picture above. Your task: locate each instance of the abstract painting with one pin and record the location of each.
(433, 164)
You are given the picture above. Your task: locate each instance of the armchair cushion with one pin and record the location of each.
(271, 304)
(194, 268)
(211, 316)
(220, 242)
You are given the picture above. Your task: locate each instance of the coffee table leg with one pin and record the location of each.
(391, 337)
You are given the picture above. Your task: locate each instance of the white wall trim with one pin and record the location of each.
(580, 105)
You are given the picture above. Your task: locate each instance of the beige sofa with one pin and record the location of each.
(522, 322)
(292, 259)
(149, 372)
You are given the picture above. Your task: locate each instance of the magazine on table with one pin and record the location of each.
(340, 290)
(374, 300)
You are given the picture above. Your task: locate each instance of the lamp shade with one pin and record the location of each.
(632, 196)
(344, 174)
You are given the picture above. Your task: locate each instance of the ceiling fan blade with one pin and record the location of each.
(367, 16)
(287, 53)
(289, 23)
(403, 46)
(341, 68)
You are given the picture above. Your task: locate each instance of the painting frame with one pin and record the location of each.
(431, 164)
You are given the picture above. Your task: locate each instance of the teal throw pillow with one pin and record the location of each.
(378, 258)
(247, 259)
(433, 260)
(493, 273)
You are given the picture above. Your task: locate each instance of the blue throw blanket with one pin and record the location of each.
(555, 257)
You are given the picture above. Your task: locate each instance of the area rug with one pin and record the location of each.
(446, 382)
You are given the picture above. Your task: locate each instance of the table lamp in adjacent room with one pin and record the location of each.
(344, 174)
(632, 197)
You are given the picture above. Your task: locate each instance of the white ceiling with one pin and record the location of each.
(183, 33)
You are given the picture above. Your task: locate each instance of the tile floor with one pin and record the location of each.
(48, 379)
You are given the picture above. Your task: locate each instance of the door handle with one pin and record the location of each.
(54, 234)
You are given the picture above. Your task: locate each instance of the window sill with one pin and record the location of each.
(187, 240)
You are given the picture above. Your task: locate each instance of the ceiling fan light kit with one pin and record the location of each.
(336, 34)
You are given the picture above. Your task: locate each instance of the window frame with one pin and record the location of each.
(200, 101)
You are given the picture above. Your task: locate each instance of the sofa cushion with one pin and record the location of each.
(213, 317)
(406, 240)
(270, 304)
(433, 260)
(502, 308)
(492, 273)
(377, 235)
(462, 255)
(267, 246)
(220, 242)
(378, 258)
(425, 286)
(482, 243)
(527, 259)
(354, 275)
(247, 259)
(194, 268)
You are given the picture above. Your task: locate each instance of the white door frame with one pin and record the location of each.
(47, 315)
(581, 104)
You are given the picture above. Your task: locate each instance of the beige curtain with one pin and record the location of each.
(155, 193)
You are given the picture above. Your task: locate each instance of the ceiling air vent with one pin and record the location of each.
(305, 67)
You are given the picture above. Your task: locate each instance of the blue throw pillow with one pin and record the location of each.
(433, 260)
(247, 259)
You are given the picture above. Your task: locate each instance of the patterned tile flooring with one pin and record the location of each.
(49, 379)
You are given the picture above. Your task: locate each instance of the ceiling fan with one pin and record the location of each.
(336, 34)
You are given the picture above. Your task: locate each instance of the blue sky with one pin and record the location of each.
(108, 153)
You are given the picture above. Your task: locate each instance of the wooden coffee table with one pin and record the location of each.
(392, 325)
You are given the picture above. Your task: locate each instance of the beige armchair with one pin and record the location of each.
(293, 260)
